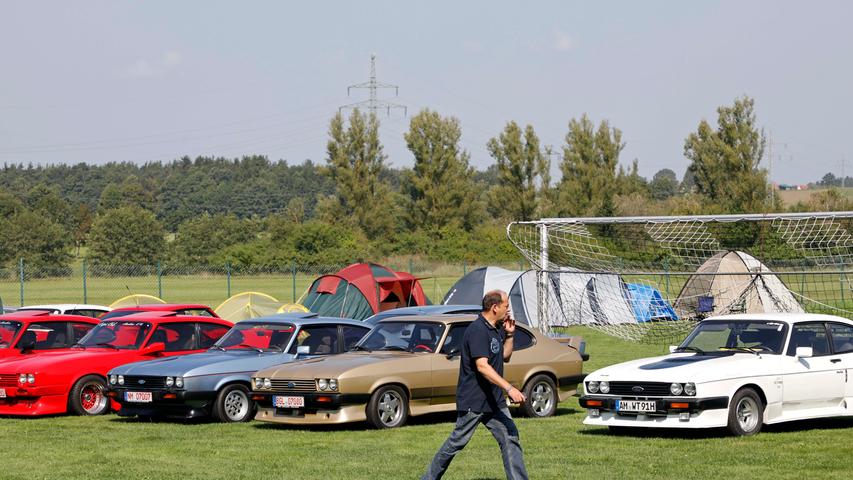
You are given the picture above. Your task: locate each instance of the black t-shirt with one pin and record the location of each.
(474, 392)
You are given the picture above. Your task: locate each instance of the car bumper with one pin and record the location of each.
(34, 401)
(319, 409)
(166, 403)
(669, 412)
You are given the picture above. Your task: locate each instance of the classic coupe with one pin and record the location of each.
(31, 332)
(738, 371)
(410, 366)
(75, 379)
(193, 309)
(217, 382)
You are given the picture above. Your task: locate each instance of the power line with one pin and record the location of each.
(373, 103)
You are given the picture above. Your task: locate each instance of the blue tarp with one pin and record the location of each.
(648, 304)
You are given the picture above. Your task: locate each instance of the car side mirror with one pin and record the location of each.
(27, 346)
(673, 348)
(454, 352)
(804, 352)
(302, 350)
(154, 349)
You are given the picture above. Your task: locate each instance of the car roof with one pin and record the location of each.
(160, 307)
(41, 316)
(65, 306)
(297, 319)
(168, 317)
(781, 317)
(448, 319)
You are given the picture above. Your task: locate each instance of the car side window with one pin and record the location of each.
(209, 333)
(842, 337)
(48, 335)
(352, 335)
(176, 336)
(78, 331)
(521, 340)
(809, 335)
(320, 340)
(453, 341)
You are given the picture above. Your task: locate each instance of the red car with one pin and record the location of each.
(194, 309)
(29, 332)
(74, 380)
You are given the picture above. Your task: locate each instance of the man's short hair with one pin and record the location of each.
(492, 298)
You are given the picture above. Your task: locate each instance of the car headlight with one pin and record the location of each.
(592, 387)
(604, 387)
(179, 382)
(690, 388)
(121, 379)
(258, 383)
(113, 379)
(333, 384)
(170, 381)
(22, 378)
(322, 384)
(675, 389)
(267, 383)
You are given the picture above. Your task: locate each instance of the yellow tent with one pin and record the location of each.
(292, 307)
(247, 305)
(136, 300)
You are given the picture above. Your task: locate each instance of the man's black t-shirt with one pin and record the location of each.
(474, 392)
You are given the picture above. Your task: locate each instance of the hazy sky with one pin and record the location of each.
(99, 81)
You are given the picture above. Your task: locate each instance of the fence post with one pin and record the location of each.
(21, 273)
(159, 279)
(666, 273)
(293, 280)
(841, 284)
(228, 279)
(411, 266)
(464, 268)
(85, 292)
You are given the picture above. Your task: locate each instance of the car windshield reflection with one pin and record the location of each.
(262, 337)
(403, 336)
(747, 336)
(116, 335)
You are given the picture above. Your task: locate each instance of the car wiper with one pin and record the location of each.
(217, 347)
(257, 349)
(690, 349)
(356, 348)
(394, 348)
(276, 347)
(743, 349)
(106, 344)
(78, 345)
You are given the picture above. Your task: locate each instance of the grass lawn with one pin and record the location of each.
(559, 447)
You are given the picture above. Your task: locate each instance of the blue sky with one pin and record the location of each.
(100, 81)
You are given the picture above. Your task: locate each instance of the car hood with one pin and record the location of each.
(681, 367)
(45, 360)
(335, 365)
(206, 363)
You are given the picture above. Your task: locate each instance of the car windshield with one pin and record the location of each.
(117, 335)
(403, 336)
(748, 336)
(8, 329)
(256, 336)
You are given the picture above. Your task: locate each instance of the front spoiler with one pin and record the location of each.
(709, 412)
(185, 404)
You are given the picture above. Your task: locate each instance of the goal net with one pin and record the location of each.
(650, 279)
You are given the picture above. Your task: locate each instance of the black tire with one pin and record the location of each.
(88, 396)
(388, 407)
(746, 413)
(233, 404)
(542, 397)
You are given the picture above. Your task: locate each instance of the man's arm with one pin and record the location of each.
(486, 370)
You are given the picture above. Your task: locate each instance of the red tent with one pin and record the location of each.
(363, 289)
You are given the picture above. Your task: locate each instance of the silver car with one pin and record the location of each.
(217, 382)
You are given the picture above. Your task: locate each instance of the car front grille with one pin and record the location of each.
(8, 380)
(145, 382)
(294, 386)
(632, 389)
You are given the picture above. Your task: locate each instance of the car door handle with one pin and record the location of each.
(835, 360)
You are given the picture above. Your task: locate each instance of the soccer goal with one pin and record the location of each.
(650, 279)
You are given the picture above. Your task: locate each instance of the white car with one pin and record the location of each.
(85, 310)
(735, 371)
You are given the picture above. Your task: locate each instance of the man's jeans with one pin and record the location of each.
(502, 428)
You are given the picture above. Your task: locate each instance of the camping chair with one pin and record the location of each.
(705, 305)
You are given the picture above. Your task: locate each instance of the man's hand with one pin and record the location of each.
(509, 325)
(515, 395)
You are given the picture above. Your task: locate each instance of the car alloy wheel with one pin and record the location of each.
(233, 404)
(541, 400)
(388, 407)
(88, 396)
(541, 393)
(746, 413)
(236, 405)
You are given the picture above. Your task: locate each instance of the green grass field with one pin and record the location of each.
(555, 448)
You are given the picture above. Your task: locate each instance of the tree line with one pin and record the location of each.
(253, 211)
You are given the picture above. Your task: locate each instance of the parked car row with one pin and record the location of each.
(182, 361)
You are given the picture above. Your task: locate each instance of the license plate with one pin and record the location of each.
(635, 406)
(139, 397)
(288, 402)
(2, 393)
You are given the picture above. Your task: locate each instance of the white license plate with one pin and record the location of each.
(2, 393)
(139, 397)
(288, 402)
(635, 406)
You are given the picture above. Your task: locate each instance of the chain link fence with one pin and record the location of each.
(84, 282)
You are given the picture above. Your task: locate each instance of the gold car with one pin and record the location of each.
(410, 366)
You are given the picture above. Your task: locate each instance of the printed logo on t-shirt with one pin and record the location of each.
(495, 346)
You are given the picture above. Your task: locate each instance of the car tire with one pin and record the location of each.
(746, 413)
(234, 405)
(542, 397)
(388, 407)
(88, 396)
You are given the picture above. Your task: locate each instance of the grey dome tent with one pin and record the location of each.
(521, 286)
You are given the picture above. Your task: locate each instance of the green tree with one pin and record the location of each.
(590, 157)
(355, 161)
(725, 160)
(439, 187)
(523, 173)
(127, 235)
(664, 184)
(199, 238)
(46, 200)
(35, 238)
(631, 182)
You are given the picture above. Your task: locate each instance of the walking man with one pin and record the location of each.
(487, 344)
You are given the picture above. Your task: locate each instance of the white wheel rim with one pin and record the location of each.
(747, 414)
(541, 398)
(236, 405)
(390, 408)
